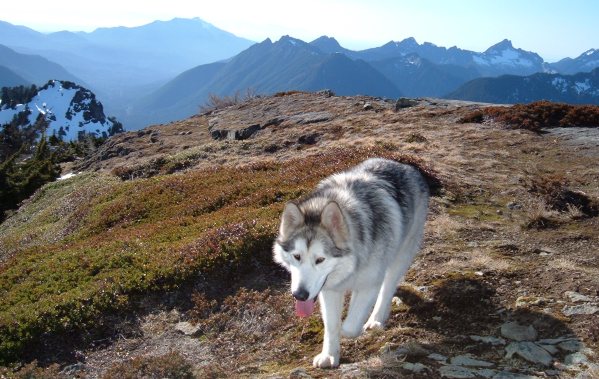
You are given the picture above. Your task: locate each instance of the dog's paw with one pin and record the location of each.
(324, 360)
(371, 324)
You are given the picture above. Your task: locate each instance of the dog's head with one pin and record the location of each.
(312, 244)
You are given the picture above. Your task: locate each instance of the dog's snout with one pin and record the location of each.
(301, 294)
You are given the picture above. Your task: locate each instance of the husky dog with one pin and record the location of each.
(357, 232)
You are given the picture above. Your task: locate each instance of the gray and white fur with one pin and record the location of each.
(357, 232)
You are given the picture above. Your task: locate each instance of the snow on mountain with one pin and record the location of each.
(504, 54)
(71, 111)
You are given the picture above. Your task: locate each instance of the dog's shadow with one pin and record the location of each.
(459, 310)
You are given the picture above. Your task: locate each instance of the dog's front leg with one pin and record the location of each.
(331, 304)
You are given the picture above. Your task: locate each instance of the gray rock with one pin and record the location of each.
(308, 139)
(495, 341)
(310, 117)
(512, 205)
(554, 341)
(367, 106)
(437, 357)
(513, 375)
(468, 360)
(188, 329)
(575, 359)
(326, 93)
(74, 370)
(517, 332)
(451, 371)
(404, 102)
(529, 351)
(299, 373)
(235, 134)
(583, 309)
(349, 368)
(414, 367)
(576, 297)
(213, 122)
(551, 349)
(571, 345)
(486, 372)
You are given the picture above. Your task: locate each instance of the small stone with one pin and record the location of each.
(468, 360)
(523, 301)
(187, 328)
(494, 341)
(404, 102)
(576, 297)
(437, 318)
(571, 346)
(478, 273)
(529, 351)
(577, 358)
(517, 332)
(486, 372)
(299, 373)
(414, 367)
(348, 368)
(396, 301)
(551, 349)
(554, 341)
(513, 375)
(583, 309)
(367, 106)
(437, 357)
(451, 371)
(512, 205)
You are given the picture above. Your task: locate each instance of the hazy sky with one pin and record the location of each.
(553, 28)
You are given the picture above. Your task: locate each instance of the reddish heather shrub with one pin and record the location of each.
(537, 115)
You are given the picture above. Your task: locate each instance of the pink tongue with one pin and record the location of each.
(304, 308)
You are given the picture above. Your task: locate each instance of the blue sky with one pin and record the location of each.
(553, 28)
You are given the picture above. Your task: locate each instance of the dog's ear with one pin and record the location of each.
(332, 220)
(291, 219)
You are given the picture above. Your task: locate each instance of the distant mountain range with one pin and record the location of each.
(25, 69)
(266, 68)
(580, 88)
(121, 63)
(70, 111)
(165, 70)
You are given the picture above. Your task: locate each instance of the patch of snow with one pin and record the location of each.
(560, 84)
(581, 87)
(60, 112)
(67, 176)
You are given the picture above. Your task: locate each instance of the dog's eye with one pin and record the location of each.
(319, 260)
(297, 257)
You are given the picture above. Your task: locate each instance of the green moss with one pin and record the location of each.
(480, 212)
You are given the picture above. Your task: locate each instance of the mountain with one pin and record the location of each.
(70, 111)
(33, 68)
(581, 88)
(419, 77)
(586, 62)
(122, 63)
(501, 58)
(266, 68)
(330, 45)
(9, 78)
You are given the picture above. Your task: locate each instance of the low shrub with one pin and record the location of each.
(537, 115)
(168, 366)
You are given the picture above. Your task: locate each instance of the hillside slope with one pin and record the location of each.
(156, 260)
(581, 88)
